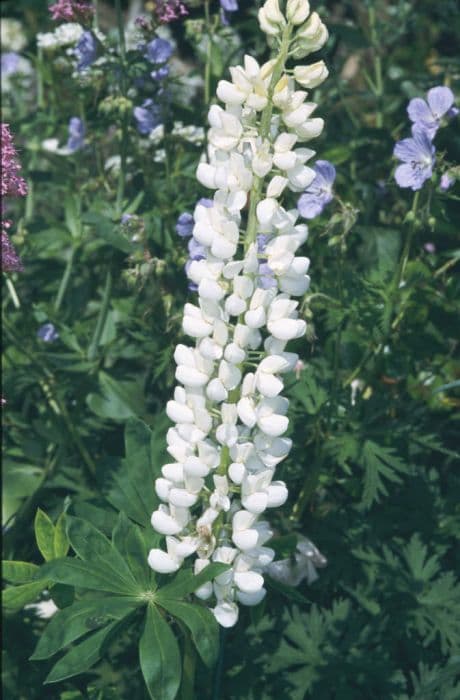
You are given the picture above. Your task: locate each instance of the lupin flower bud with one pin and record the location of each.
(229, 414)
(311, 76)
(310, 37)
(297, 11)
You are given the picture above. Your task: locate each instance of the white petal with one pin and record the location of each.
(226, 614)
(161, 562)
(249, 581)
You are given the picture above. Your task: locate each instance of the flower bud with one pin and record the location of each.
(271, 19)
(311, 76)
(310, 37)
(297, 11)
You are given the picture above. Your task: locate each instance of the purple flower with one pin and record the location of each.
(47, 333)
(147, 116)
(417, 156)
(77, 132)
(126, 218)
(160, 73)
(71, 11)
(158, 51)
(86, 50)
(10, 63)
(170, 10)
(10, 259)
(184, 225)
(196, 250)
(266, 277)
(428, 114)
(262, 240)
(319, 193)
(206, 202)
(446, 182)
(430, 247)
(229, 5)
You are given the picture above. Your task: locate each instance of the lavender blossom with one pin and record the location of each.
(10, 259)
(428, 114)
(77, 132)
(319, 193)
(158, 51)
(9, 63)
(147, 116)
(184, 225)
(418, 158)
(47, 333)
(86, 50)
(446, 182)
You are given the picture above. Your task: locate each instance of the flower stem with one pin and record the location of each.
(93, 346)
(256, 190)
(207, 67)
(13, 294)
(216, 694)
(65, 280)
(188, 667)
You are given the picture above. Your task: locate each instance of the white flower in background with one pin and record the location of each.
(65, 34)
(12, 35)
(44, 609)
(230, 418)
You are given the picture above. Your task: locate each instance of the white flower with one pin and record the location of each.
(312, 75)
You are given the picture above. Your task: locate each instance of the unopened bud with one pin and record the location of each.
(311, 76)
(297, 11)
(271, 19)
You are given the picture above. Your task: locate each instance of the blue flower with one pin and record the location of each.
(86, 50)
(47, 333)
(229, 5)
(447, 180)
(266, 277)
(319, 192)
(184, 225)
(428, 114)
(158, 51)
(418, 157)
(77, 131)
(147, 116)
(160, 73)
(196, 251)
(10, 63)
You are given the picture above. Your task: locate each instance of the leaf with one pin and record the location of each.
(60, 542)
(128, 541)
(92, 576)
(15, 597)
(159, 657)
(379, 463)
(80, 618)
(81, 657)
(19, 571)
(107, 231)
(186, 582)
(44, 534)
(202, 625)
(118, 400)
(128, 492)
(92, 546)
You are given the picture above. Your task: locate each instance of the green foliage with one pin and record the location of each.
(373, 473)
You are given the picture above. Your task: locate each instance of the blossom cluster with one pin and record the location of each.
(228, 409)
(13, 185)
(417, 154)
(71, 11)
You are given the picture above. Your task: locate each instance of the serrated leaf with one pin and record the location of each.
(19, 571)
(159, 657)
(81, 657)
(186, 582)
(202, 625)
(80, 618)
(44, 534)
(379, 463)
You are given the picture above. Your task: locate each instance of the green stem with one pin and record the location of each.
(256, 190)
(216, 694)
(12, 291)
(124, 123)
(65, 280)
(103, 311)
(378, 74)
(207, 67)
(121, 30)
(187, 691)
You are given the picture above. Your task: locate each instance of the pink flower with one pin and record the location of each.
(170, 10)
(13, 185)
(71, 11)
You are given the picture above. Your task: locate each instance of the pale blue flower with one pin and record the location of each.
(77, 131)
(418, 157)
(319, 192)
(147, 116)
(428, 114)
(86, 50)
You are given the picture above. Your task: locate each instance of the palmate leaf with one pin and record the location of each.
(15, 597)
(128, 541)
(186, 582)
(379, 463)
(91, 576)
(19, 571)
(128, 491)
(202, 625)
(80, 618)
(159, 657)
(81, 657)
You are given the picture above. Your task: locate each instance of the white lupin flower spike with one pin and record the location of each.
(228, 411)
